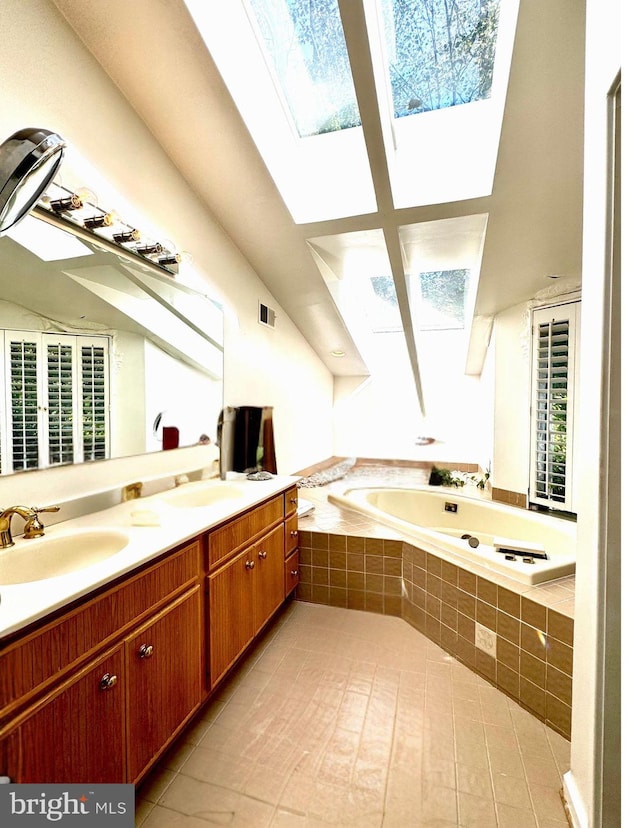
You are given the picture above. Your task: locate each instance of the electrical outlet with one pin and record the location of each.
(486, 640)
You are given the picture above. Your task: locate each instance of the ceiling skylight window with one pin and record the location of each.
(441, 70)
(440, 53)
(286, 66)
(305, 46)
(382, 305)
(442, 297)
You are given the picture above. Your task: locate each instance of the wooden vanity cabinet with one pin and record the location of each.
(245, 585)
(97, 691)
(163, 679)
(77, 732)
(88, 709)
(291, 570)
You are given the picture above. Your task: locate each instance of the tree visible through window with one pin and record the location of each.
(440, 52)
(305, 44)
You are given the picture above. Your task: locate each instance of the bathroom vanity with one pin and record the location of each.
(95, 687)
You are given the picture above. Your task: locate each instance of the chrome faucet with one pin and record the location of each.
(33, 527)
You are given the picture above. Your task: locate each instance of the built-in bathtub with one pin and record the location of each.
(511, 541)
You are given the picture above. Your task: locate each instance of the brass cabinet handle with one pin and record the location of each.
(262, 554)
(294, 533)
(108, 681)
(250, 564)
(294, 573)
(293, 500)
(145, 651)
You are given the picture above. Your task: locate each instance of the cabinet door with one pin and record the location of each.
(269, 580)
(230, 612)
(77, 733)
(164, 679)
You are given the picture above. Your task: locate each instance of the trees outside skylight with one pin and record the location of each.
(440, 52)
(438, 298)
(305, 44)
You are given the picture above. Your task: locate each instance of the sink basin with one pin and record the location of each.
(194, 495)
(42, 558)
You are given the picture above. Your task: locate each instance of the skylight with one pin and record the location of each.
(318, 121)
(307, 52)
(442, 299)
(439, 53)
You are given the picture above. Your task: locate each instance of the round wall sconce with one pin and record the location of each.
(29, 159)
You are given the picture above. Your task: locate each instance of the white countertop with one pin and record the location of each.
(23, 603)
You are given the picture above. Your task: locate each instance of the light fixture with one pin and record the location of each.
(337, 353)
(29, 159)
(64, 205)
(149, 249)
(101, 220)
(72, 201)
(168, 258)
(127, 236)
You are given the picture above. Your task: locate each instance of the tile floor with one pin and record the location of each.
(346, 718)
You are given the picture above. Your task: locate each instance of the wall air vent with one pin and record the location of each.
(267, 316)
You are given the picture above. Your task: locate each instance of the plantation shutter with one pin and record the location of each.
(60, 398)
(23, 402)
(56, 400)
(553, 396)
(94, 401)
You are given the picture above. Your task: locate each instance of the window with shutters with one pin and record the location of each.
(555, 350)
(55, 389)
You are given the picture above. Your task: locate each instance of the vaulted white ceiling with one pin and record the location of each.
(530, 222)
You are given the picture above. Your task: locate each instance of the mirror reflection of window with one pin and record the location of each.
(101, 345)
(56, 400)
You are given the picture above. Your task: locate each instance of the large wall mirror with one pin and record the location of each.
(102, 356)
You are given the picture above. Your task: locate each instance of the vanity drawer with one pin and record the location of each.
(291, 501)
(291, 573)
(31, 662)
(228, 539)
(290, 534)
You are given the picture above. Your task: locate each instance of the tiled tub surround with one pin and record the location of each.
(347, 560)
(453, 520)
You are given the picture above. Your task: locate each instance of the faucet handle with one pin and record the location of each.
(34, 528)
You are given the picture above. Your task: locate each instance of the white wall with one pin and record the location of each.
(49, 80)
(379, 416)
(510, 339)
(586, 788)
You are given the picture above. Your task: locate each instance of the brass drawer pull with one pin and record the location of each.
(108, 681)
(250, 564)
(294, 573)
(262, 555)
(146, 651)
(294, 533)
(293, 500)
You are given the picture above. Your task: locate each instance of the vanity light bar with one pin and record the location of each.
(72, 203)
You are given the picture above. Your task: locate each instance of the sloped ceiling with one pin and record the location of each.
(155, 55)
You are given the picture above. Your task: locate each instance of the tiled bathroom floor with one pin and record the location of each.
(346, 718)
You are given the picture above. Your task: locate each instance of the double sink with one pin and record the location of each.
(42, 558)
